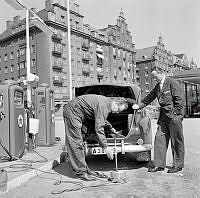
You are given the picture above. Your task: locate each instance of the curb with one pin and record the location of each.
(29, 175)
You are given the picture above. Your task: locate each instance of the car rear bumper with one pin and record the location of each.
(123, 148)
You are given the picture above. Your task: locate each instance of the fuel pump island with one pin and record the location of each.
(13, 122)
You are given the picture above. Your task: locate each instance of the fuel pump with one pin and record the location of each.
(12, 133)
(45, 112)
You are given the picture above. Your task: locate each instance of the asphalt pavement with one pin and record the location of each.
(181, 185)
(34, 163)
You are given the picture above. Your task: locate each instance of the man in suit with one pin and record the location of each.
(170, 97)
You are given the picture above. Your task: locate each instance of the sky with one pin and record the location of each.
(177, 21)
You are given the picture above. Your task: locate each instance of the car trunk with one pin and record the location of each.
(119, 121)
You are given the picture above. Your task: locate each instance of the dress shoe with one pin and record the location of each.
(156, 169)
(174, 170)
(86, 177)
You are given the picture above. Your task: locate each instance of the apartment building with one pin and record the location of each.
(97, 55)
(149, 57)
(146, 59)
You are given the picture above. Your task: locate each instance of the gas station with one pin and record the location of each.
(15, 120)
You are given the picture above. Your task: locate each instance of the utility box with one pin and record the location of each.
(45, 112)
(12, 130)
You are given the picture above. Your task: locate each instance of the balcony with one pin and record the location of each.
(57, 37)
(100, 59)
(100, 72)
(129, 66)
(99, 62)
(99, 49)
(57, 66)
(86, 56)
(58, 96)
(85, 44)
(86, 69)
(57, 51)
(58, 80)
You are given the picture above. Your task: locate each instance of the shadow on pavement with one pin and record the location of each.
(124, 161)
(65, 169)
(102, 163)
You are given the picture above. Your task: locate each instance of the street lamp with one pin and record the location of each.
(19, 5)
(69, 49)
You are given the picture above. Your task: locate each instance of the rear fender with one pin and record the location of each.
(140, 128)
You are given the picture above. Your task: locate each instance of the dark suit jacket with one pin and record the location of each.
(170, 98)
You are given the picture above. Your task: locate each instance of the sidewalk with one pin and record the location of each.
(20, 173)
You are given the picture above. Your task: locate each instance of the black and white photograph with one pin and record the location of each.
(100, 98)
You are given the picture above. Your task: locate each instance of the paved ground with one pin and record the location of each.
(140, 183)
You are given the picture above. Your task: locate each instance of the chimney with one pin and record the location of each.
(33, 9)
(9, 24)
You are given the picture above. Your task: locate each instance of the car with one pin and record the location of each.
(196, 111)
(133, 126)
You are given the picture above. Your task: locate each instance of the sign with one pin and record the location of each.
(20, 121)
(53, 118)
(100, 151)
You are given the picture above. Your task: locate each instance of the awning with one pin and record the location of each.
(192, 76)
(100, 56)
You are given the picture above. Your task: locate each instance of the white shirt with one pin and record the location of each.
(162, 82)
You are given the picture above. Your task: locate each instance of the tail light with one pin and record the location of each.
(140, 141)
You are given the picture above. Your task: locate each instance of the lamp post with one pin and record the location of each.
(19, 5)
(69, 49)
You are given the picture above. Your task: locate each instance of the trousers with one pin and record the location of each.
(74, 139)
(169, 129)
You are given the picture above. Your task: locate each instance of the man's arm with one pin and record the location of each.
(100, 115)
(149, 98)
(177, 96)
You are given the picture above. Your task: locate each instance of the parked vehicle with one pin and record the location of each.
(196, 110)
(134, 126)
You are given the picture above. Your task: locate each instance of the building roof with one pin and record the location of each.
(145, 53)
(180, 55)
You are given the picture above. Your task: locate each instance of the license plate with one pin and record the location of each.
(100, 151)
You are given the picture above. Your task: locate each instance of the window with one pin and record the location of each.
(33, 49)
(11, 55)
(32, 36)
(11, 68)
(6, 70)
(22, 65)
(22, 51)
(5, 57)
(146, 81)
(62, 18)
(77, 25)
(33, 62)
(17, 53)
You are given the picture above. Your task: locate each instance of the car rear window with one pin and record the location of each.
(106, 90)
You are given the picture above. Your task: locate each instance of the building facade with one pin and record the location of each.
(149, 57)
(146, 59)
(97, 55)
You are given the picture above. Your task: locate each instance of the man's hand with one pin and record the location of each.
(109, 153)
(113, 130)
(135, 107)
